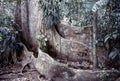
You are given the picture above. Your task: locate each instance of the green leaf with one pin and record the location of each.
(107, 38)
(114, 54)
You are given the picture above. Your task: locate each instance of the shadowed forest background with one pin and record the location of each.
(59, 40)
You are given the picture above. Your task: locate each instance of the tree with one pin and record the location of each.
(26, 22)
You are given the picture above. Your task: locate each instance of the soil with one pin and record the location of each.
(13, 73)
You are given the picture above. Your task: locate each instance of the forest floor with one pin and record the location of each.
(13, 73)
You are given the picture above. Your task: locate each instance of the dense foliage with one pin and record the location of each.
(7, 8)
(51, 12)
(7, 34)
(77, 12)
(70, 12)
(7, 45)
(109, 31)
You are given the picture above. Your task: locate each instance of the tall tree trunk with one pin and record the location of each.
(26, 22)
(95, 62)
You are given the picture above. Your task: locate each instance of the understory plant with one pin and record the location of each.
(103, 76)
(113, 40)
(43, 42)
(7, 45)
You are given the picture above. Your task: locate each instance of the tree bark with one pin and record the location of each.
(95, 61)
(55, 71)
(26, 22)
(72, 48)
